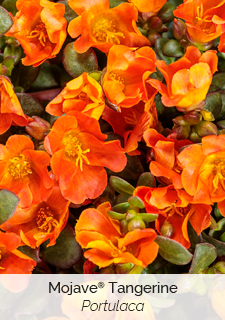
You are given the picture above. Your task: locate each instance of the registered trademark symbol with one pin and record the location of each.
(101, 285)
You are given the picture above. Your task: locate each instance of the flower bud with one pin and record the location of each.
(193, 117)
(135, 223)
(179, 29)
(206, 128)
(179, 121)
(37, 128)
(130, 214)
(166, 13)
(124, 268)
(220, 266)
(96, 75)
(180, 133)
(152, 36)
(107, 270)
(123, 226)
(194, 137)
(167, 229)
(155, 23)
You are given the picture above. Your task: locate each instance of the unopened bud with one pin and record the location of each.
(180, 132)
(163, 28)
(123, 226)
(152, 36)
(194, 137)
(135, 223)
(166, 13)
(124, 268)
(96, 75)
(220, 266)
(155, 23)
(206, 128)
(179, 121)
(37, 128)
(193, 117)
(167, 229)
(107, 270)
(130, 214)
(179, 29)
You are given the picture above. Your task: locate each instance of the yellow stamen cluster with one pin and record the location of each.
(20, 167)
(116, 77)
(219, 172)
(203, 20)
(73, 148)
(40, 33)
(131, 118)
(45, 219)
(105, 31)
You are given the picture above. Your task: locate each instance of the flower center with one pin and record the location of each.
(40, 33)
(174, 209)
(219, 171)
(116, 77)
(73, 148)
(84, 97)
(20, 167)
(45, 219)
(105, 31)
(131, 118)
(203, 20)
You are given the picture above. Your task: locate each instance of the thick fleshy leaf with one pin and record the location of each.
(172, 49)
(10, 6)
(219, 80)
(24, 76)
(213, 104)
(32, 253)
(77, 63)
(219, 230)
(121, 186)
(121, 207)
(30, 105)
(6, 21)
(65, 253)
(136, 202)
(8, 204)
(220, 246)
(146, 179)
(173, 251)
(160, 42)
(204, 255)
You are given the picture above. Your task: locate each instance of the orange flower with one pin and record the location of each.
(131, 123)
(205, 21)
(165, 165)
(188, 79)
(148, 6)
(83, 94)
(203, 175)
(96, 231)
(40, 27)
(101, 27)
(79, 155)
(40, 222)
(176, 207)
(127, 70)
(10, 108)
(12, 261)
(24, 170)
